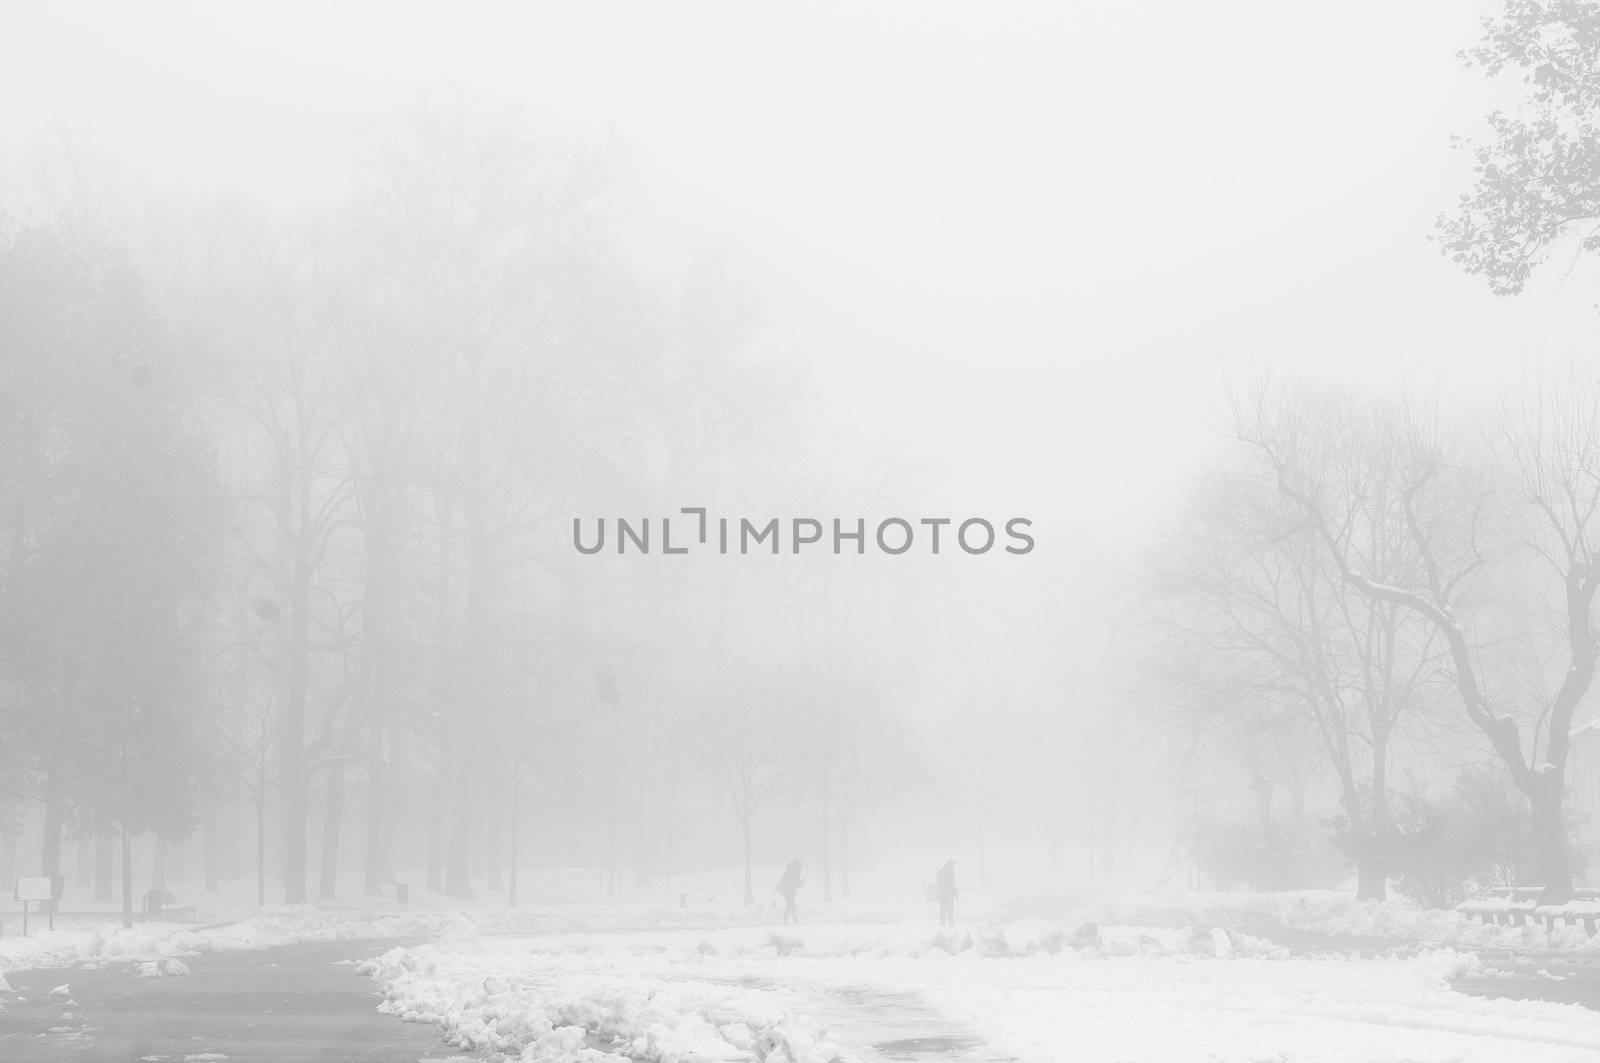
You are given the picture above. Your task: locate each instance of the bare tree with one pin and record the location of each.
(251, 748)
(743, 743)
(291, 402)
(504, 245)
(1533, 485)
(850, 754)
(1260, 624)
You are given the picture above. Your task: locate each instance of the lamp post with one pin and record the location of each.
(138, 375)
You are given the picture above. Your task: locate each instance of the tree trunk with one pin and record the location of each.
(382, 808)
(8, 856)
(211, 847)
(1108, 823)
(472, 685)
(332, 821)
(493, 828)
(50, 843)
(446, 772)
(1550, 839)
(611, 849)
(125, 874)
(104, 858)
(83, 860)
(827, 846)
(749, 870)
(844, 853)
(465, 806)
(333, 796)
(292, 740)
(371, 722)
(261, 853)
(295, 668)
(1371, 879)
(1263, 788)
(1372, 872)
(436, 834)
(983, 873)
(50, 839)
(377, 792)
(511, 888)
(391, 830)
(1088, 848)
(158, 863)
(647, 801)
(230, 826)
(457, 883)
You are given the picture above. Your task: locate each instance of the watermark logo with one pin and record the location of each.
(697, 532)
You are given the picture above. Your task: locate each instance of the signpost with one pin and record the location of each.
(42, 888)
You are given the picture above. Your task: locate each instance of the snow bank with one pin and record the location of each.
(493, 996)
(1179, 924)
(1179, 1009)
(154, 941)
(165, 967)
(1155, 994)
(1331, 913)
(989, 939)
(300, 924)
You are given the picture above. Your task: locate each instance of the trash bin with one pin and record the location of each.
(402, 893)
(152, 902)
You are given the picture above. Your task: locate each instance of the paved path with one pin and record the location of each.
(305, 1002)
(1316, 942)
(298, 1002)
(1572, 980)
(876, 1025)
(901, 1027)
(1551, 977)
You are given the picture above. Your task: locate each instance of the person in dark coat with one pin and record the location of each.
(945, 886)
(790, 881)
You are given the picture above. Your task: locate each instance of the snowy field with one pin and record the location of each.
(677, 995)
(1074, 971)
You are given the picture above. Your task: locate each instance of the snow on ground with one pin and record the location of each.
(155, 940)
(559, 901)
(1043, 971)
(1323, 911)
(1182, 1008)
(676, 996)
(230, 923)
(494, 995)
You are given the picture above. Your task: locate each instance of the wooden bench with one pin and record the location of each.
(1513, 905)
(161, 905)
(1504, 905)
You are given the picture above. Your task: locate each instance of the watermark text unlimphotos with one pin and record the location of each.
(697, 532)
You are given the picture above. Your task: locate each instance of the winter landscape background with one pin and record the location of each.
(327, 339)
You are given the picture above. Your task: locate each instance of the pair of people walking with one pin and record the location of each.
(793, 877)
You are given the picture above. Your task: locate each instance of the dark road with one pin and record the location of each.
(297, 1002)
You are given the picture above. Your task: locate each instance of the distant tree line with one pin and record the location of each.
(282, 506)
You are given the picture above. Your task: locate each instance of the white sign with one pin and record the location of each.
(34, 889)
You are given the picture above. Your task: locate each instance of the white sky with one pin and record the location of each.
(1016, 244)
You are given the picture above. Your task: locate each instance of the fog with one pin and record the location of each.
(326, 329)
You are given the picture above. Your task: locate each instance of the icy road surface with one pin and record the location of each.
(296, 1002)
